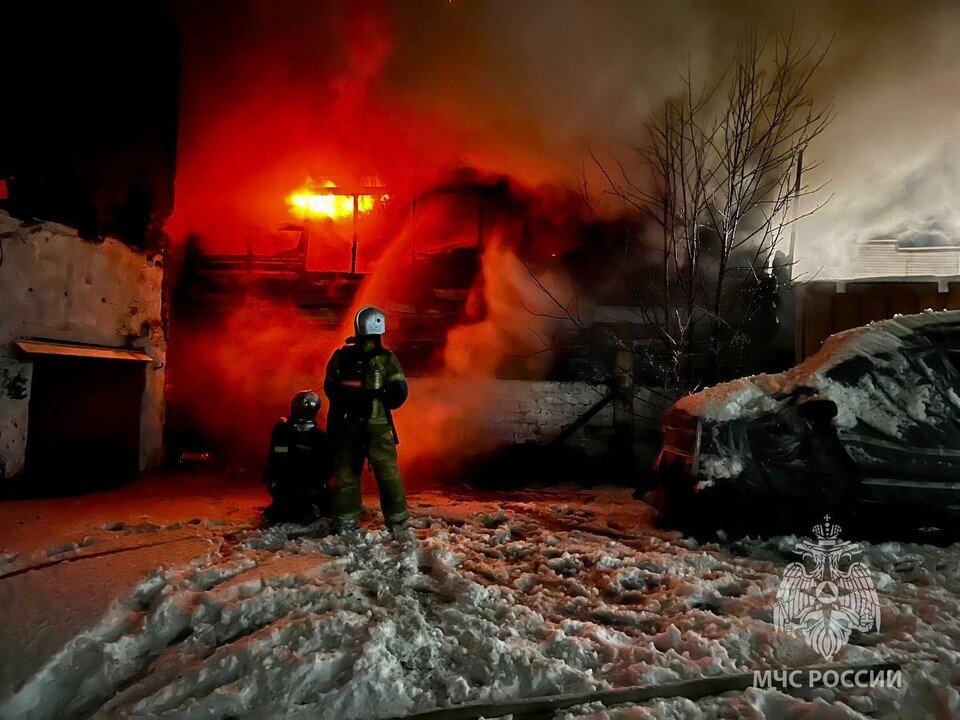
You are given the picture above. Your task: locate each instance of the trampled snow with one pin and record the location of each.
(489, 603)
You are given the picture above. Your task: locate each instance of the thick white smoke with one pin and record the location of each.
(572, 74)
(893, 154)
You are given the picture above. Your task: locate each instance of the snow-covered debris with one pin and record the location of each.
(284, 623)
(894, 384)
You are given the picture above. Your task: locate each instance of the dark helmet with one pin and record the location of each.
(305, 405)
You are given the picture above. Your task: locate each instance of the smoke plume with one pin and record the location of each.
(276, 91)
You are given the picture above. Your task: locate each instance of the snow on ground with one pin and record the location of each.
(549, 593)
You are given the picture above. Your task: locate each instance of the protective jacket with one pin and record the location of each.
(299, 468)
(364, 382)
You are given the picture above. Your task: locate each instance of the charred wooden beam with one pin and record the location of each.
(569, 431)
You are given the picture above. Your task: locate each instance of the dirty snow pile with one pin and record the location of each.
(287, 622)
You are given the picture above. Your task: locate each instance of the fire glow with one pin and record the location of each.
(309, 204)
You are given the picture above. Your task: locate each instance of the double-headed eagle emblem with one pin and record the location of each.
(826, 604)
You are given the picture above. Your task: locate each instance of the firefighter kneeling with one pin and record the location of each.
(365, 383)
(300, 464)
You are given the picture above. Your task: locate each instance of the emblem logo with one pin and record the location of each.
(825, 604)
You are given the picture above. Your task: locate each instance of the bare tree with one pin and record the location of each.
(719, 187)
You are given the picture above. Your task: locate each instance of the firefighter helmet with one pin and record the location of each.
(370, 320)
(305, 405)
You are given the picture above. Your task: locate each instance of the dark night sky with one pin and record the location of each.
(88, 132)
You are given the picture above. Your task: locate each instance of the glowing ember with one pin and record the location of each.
(309, 204)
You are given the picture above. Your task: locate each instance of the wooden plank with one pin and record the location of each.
(35, 348)
(875, 306)
(906, 302)
(847, 312)
(544, 708)
(818, 320)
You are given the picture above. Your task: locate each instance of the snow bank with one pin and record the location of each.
(280, 624)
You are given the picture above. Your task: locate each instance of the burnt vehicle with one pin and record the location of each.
(866, 430)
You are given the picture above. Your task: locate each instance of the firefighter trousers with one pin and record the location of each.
(354, 445)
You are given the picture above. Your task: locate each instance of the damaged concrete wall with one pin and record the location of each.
(15, 380)
(484, 414)
(539, 411)
(55, 286)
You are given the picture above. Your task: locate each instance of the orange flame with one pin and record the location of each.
(307, 204)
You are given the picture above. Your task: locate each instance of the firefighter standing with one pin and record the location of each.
(300, 464)
(365, 382)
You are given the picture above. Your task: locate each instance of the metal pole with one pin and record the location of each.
(356, 215)
(796, 200)
(796, 213)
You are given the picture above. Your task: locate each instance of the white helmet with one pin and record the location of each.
(370, 320)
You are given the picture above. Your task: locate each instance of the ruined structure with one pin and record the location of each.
(80, 331)
(86, 185)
